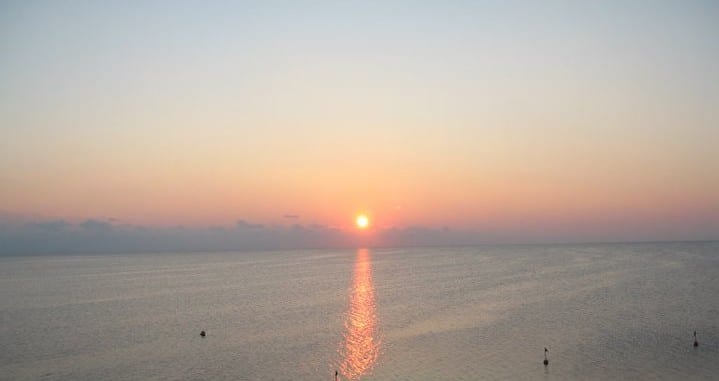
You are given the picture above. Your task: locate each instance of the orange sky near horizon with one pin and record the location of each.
(508, 118)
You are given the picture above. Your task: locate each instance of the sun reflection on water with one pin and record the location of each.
(361, 344)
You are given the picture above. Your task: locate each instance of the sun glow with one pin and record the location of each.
(362, 221)
(361, 345)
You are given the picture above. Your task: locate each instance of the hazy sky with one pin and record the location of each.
(551, 120)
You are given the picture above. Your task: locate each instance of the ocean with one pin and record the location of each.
(603, 311)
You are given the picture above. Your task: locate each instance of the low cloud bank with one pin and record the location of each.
(105, 236)
(23, 236)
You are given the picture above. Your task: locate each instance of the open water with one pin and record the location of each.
(604, 311)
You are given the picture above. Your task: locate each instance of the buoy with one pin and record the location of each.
(203, 334)
(337, 375)
(696, 343)
(546, 361)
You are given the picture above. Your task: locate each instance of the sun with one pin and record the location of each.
(362, 221)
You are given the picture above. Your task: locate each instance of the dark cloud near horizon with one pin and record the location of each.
(96, 225)
(242, 225)
(92, 236)
(102, 236)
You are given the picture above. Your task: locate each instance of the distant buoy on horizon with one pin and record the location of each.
(546, 360)
(203, 334)
(696, 343)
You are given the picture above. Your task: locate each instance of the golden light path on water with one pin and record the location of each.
(361, 342)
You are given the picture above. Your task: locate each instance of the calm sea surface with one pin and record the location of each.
(605, 311)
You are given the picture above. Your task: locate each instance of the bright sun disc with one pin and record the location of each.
(362, 221)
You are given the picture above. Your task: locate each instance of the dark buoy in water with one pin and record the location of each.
(696, 343)
(203, 334)
(546, 361)
(337, 375)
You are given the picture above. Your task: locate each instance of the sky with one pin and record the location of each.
(496, 121)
